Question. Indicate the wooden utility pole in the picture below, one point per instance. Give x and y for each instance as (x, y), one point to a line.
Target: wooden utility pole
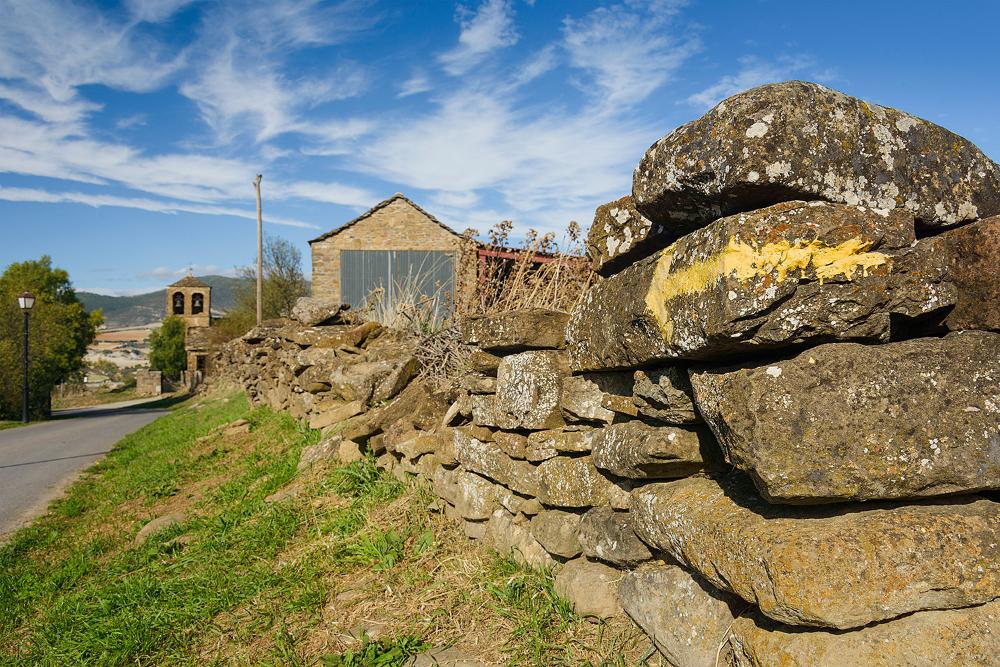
(260, 254)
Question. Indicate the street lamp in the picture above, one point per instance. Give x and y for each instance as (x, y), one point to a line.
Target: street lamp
(25, 301)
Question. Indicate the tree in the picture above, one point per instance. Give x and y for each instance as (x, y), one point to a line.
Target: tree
(284, 283)
(166, 347)
(61, 329)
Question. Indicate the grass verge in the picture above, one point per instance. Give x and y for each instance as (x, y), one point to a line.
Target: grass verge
(261, 565)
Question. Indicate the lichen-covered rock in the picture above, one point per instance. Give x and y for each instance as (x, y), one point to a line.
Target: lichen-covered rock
(973, 255)
(529, 329)
(608, 535)
(528, 388)
(637, 450)
(620, 234)
(838, 567)
(952, 638)
(845, 421)
(544, 445)
(686, 618)
(488, 460)
(514, 539)
(311, 311)
(334, 414)
(590, 588)
(566, 482)
(665, 394)
(597, 397)
(798, 140)
(779, 276)
(556, 531)
(473, 497)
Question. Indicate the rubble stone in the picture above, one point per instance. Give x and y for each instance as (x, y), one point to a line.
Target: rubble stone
(620, 235)
(637, 450)
(608, 535)
(515, 331)
(590, 588)
(556, 531)
(528, 389)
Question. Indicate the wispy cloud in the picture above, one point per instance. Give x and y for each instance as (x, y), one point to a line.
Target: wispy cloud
(416, 84)
(484, 30)
(168, 273)
(628, 50)
(153, 205)
(753, 72)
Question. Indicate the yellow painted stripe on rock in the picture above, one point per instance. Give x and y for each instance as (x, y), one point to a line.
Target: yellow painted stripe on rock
(746, 263)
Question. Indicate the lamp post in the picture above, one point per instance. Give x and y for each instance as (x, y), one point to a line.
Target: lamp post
(26, 301)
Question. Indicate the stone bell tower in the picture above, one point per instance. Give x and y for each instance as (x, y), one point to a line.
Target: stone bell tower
(190, 299)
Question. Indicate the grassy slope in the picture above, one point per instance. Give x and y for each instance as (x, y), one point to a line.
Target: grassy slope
(245, 581)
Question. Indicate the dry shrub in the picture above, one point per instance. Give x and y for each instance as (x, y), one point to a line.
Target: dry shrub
(541, 273)
(408, 307)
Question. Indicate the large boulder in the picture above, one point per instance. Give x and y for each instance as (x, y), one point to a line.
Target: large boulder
(838, 567)
(687, 619)
(798, 140)
(858, 422)
(637, 450)
(620, 234)
(951, 638)
(608, 535)
(779, 276)
(528, 329)
(529, 385)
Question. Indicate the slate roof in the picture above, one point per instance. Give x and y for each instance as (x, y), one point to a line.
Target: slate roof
(381, 205)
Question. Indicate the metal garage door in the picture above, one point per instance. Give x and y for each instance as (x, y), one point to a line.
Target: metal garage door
(430, 273)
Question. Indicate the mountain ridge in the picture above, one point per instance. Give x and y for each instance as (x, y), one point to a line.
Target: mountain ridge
(150, 307)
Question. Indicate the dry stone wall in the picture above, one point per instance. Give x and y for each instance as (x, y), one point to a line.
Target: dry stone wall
(774, 439)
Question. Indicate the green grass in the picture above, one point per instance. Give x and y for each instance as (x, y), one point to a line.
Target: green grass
(241, 580)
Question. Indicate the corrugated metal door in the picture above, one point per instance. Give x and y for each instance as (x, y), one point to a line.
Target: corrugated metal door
(429, 273)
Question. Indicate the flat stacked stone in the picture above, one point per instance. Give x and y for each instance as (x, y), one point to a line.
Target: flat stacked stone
(845, 421)
(788, 274)
(842, 567)
(619, 235)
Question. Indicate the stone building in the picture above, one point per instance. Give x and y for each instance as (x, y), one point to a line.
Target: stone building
(393, 244)
(190, 299)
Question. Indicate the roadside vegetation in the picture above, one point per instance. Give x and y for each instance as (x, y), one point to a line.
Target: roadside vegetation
(336, 565)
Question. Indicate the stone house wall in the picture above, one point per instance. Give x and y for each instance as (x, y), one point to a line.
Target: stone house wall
(397, 225)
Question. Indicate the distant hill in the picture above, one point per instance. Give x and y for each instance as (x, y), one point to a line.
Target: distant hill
(130, 311)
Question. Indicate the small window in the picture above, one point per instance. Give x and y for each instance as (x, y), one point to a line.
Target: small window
(178, 302)
(197, 303)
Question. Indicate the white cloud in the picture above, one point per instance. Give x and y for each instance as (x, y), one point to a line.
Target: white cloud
(167, 273)
(418, 83)
(328, 193)
(489, 28)
(754, 72)
(627, 49)
(154, 11)
(153, 205)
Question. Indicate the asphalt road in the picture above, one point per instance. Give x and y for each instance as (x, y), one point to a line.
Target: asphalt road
(39, 460)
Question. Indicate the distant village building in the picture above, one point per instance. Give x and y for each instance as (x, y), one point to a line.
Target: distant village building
(191, 300)
(395, 243)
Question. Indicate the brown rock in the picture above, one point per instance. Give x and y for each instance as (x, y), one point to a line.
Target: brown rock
(845, 421)
(349, 451)
(798, 140)
(337, 414)
(952, 638)
(780, 276)
(473, 497)
(637, 450)
(556, 530)
(513, 445)
(544, 445)
(486, 459)
(158, 524)
(513, 539)
(566, 482)
(398, 377)
(837, 567)
(327, 449)
(528, 389)
(517, 330)
(483, 362)
(686, 617)
(665, 394)
(608, 535)
(973, 254)
(619, 235)
(311, 312)
(590, 588)
(597, 397)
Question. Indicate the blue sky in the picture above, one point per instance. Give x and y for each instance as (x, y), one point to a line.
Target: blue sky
(130, 131)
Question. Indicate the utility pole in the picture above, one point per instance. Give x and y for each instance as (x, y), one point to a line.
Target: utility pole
(260, 254)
